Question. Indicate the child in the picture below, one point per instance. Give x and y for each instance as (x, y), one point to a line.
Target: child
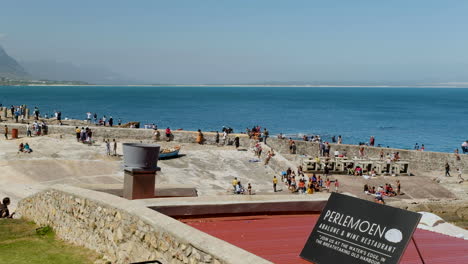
(327, 185)
(337, 184)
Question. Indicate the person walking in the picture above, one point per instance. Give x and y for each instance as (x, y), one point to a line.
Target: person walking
(6, 132)
(447, 170)
(337, 185)
(459, 174)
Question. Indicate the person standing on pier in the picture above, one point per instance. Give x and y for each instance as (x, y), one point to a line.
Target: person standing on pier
(217, 138)
(200, 137)
(372, 141)
(265, 135)
(108, 149)
(115, 148)
(225, 135)
(168, 134)
(36, 113)
(111, 121)
(464, 147)
(28, 130)
(275, 182)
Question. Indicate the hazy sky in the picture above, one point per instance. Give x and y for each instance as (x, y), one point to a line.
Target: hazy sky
(216, 41)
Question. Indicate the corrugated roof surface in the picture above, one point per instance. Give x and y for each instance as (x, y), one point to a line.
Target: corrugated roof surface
(280, 239)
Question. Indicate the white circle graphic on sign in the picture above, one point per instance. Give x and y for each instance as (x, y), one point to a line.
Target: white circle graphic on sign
(394, 235)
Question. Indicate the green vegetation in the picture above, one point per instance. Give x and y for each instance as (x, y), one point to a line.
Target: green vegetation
(22, 242)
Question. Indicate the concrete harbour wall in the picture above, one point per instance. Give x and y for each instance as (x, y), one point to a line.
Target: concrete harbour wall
(100, 133)
(419, 161)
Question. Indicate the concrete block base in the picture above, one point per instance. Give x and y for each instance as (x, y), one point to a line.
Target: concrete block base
(139, 185)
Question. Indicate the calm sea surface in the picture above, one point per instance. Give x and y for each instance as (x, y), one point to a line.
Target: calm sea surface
(397, 117)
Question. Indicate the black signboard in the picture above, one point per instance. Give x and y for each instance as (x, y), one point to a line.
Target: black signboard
(352, 230)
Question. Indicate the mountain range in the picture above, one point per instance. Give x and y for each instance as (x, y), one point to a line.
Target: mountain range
(57, 71)
(10, 68)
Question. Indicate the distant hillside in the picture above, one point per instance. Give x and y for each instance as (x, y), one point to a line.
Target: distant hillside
(53, 70)
(10, 68)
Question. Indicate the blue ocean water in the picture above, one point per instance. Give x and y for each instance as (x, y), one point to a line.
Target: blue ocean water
(397, 117)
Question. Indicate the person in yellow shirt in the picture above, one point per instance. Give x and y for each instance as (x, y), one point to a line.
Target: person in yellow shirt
(275, 182)
(234, 183)
(78, 132)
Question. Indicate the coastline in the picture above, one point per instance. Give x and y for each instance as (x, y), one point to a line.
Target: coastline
(244, 86)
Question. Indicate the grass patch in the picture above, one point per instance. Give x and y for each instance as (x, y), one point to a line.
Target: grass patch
(22, 242)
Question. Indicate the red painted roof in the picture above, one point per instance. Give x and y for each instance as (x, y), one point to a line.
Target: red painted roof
(280, 239)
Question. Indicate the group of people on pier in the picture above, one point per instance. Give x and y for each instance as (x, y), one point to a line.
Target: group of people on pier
(305, 184)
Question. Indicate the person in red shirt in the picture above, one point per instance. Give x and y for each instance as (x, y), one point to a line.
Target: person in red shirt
(168, 134)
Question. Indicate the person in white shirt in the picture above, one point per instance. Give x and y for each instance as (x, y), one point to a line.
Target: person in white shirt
(225, 134)
(464, 147)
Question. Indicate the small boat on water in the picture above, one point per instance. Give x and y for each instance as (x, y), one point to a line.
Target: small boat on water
(169, 152)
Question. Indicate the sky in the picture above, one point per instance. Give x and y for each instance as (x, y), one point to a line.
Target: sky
(246, 41)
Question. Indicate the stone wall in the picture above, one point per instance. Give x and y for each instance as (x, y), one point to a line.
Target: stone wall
(419, 161)
(124, 231)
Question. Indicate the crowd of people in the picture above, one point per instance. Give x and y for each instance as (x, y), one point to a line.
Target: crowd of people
(257, 133)
(102, 121)
(382, 191)
(84, 135)
(238, 188)
(305, 184)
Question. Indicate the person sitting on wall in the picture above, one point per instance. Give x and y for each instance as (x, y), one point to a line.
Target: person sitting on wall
(239, 188)
(389, 190)
(156, 135)
(358, 171)
(366, 189)
(4, 212)
(293, 185)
